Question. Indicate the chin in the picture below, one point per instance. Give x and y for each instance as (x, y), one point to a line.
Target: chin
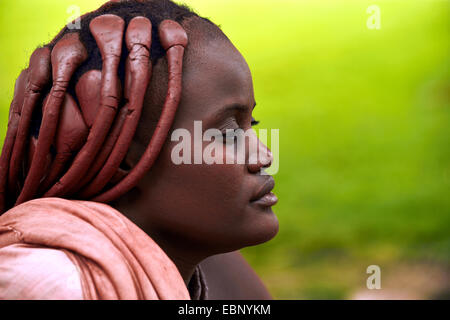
(259, 226)
(264, 227)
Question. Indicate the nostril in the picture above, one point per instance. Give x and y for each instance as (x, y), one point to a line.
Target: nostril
(266, 158)
(267, 163)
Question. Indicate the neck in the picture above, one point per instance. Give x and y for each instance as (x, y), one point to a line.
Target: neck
(182, 254)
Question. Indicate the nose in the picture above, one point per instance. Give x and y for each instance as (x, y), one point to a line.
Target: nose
(261, 158)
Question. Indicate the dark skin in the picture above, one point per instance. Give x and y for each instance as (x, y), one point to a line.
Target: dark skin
(198, 212)
(229, 276)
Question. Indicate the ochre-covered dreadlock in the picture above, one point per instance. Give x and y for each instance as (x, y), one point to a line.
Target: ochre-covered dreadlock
(89, 134)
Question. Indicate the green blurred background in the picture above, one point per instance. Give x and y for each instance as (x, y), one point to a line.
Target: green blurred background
(364, 134)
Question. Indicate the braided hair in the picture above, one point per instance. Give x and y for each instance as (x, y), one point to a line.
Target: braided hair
(91, 85)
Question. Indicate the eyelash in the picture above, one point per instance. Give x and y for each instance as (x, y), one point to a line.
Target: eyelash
(254, 122)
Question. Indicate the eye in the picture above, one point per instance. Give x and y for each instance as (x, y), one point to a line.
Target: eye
(254, 122)
(227, 129)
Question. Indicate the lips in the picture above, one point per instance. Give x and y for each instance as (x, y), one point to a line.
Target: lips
(265, 196)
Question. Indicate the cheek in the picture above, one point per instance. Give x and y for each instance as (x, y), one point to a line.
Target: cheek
(216, 193)
(206, 204)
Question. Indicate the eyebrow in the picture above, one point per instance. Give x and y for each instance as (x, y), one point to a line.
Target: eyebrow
(229, 109)
(234, 107)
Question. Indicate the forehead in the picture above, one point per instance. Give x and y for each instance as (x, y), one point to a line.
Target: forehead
(215, 75)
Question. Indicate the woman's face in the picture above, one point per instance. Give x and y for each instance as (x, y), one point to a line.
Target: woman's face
(212, 206)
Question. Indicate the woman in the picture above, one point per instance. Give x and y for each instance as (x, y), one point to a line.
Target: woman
(137, 71)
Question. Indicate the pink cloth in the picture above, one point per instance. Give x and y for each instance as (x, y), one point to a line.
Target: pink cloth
(53, 248)
(29, 272)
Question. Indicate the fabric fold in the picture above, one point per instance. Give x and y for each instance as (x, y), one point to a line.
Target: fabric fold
(114, 257)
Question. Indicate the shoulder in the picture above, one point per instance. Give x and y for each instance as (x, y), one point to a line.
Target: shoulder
(30, 272)
(229, 276)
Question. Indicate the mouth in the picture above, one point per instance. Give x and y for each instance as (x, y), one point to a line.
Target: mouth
(265, 197)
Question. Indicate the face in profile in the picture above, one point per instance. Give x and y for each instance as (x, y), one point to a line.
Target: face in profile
(215, 207)
(86, 120)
